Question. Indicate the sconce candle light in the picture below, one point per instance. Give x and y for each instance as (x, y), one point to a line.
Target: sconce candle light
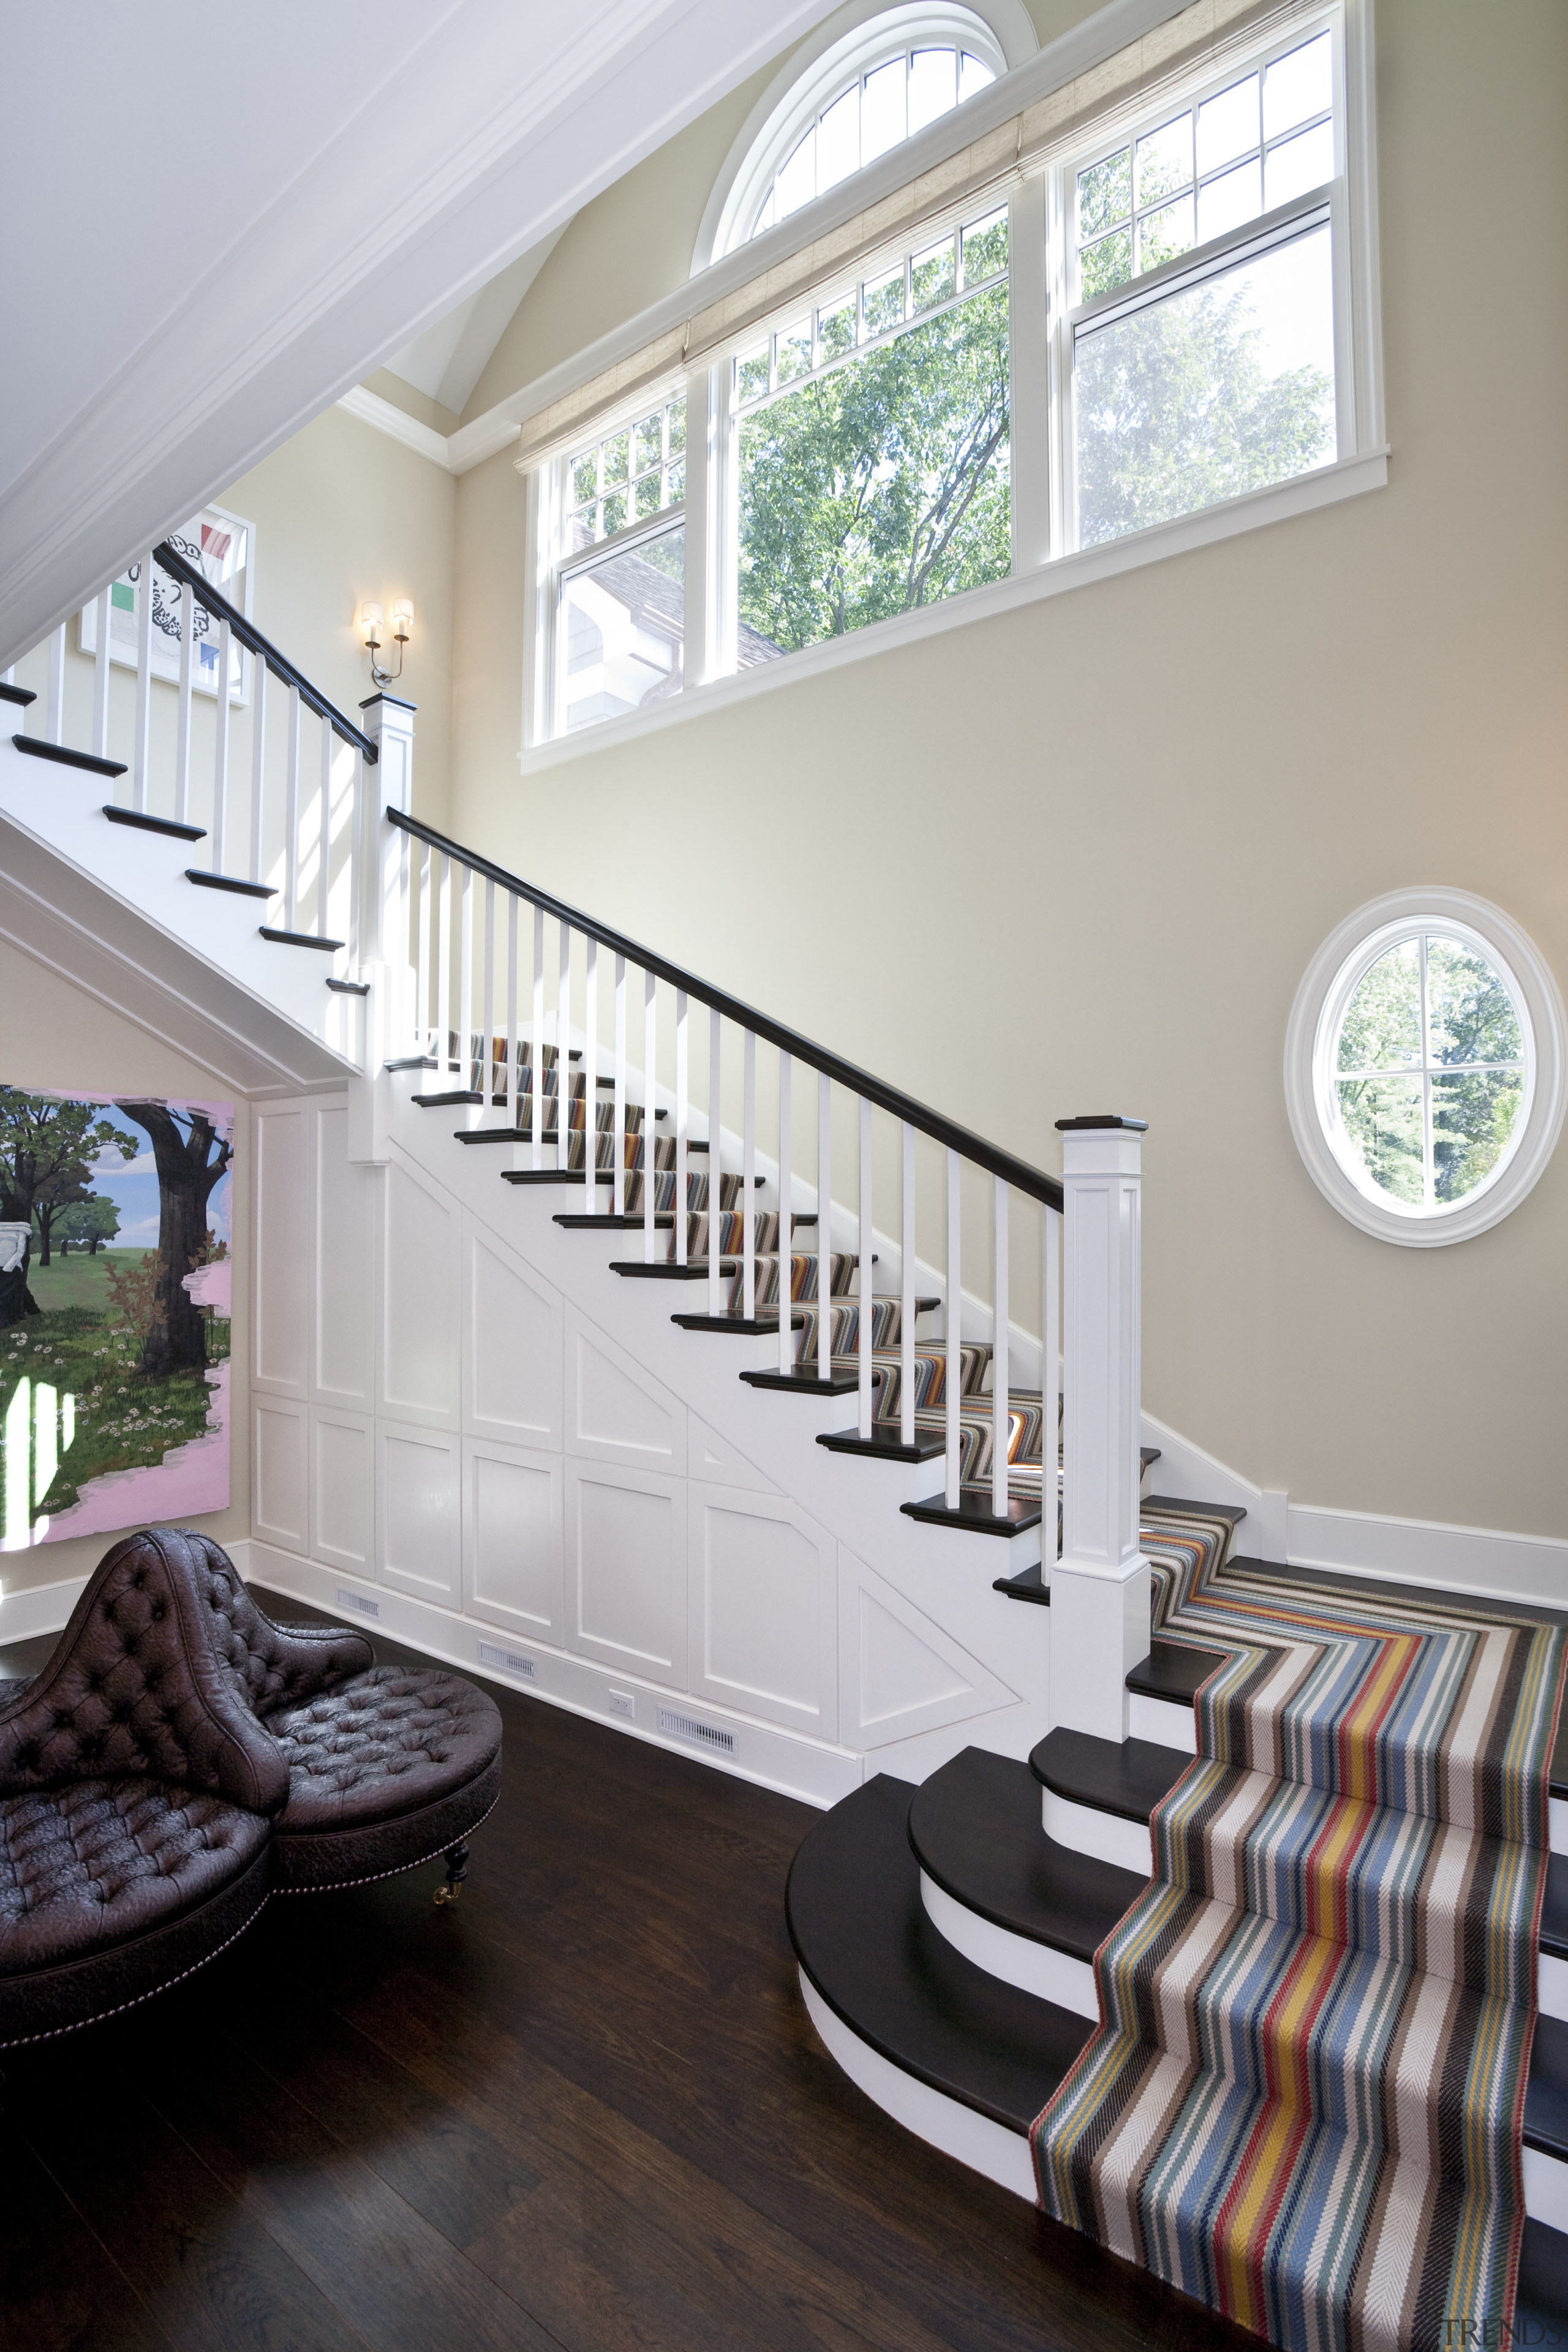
(372, 620)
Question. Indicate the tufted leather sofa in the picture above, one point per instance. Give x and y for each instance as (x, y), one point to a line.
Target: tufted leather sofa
(181, 1757)
(388, 1766)
(137, 1792)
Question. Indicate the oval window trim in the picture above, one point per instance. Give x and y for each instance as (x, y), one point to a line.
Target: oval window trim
(1332, 978)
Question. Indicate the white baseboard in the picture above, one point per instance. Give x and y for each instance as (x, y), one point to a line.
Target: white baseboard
(39, 1609)
(807, 1770)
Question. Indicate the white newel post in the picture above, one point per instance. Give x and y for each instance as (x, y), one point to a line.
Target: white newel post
(1100, 1587)
(382, 886)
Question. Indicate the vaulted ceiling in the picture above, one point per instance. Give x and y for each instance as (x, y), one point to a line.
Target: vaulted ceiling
(218, 219)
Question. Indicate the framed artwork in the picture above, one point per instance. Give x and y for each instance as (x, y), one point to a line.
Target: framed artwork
(223, 548)
(115, 1291)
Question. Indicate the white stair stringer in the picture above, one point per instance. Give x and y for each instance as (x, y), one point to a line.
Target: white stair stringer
(978, 1669)
(109, 908)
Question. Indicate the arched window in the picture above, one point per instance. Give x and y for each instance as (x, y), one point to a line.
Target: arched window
(865, 93)
(1425, 1066)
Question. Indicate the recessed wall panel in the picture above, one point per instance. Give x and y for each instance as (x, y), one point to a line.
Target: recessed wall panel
(419, 1512)
(514, 1558)
(281, 1472)
(626, 1554)
(763, 1605)
(421, 1300)
(513, 1346)
(344, 1263)
(342, 1490)
(617, 1410)
(280, 1352)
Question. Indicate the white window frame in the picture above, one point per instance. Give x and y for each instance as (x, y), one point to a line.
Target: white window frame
(1039, 197)
(997, 31)
(1210, 260)
(1313, 1034)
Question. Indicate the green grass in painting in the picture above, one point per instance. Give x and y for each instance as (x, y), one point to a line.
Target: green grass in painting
(78, 1280)
(122, 1420)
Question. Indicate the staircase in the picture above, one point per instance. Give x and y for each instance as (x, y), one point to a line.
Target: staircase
(960, 1474)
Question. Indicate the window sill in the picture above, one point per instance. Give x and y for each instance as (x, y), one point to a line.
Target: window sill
(1347, 478)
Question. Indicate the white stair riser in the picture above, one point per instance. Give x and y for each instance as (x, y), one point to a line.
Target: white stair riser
(1003, 2155)
(1018, 1960)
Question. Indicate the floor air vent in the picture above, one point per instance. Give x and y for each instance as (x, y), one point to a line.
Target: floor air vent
(359, 1602)
(686, 1727)
(510, 1662)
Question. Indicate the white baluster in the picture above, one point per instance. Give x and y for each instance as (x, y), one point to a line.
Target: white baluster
(591, 1076)
(786, 1347)
(325, 832)
(444, 1031)
(747, 1175)
(824, 1226)
(863, 1244)
(715, 1161)
(291, 817)
(651, 1089)
(465, 978)
(563, 1053)
(425, 980)
(536, 1086)
(999, 1295)
(618, 1115)
(220, 751)
(398, 926)
(1100, 1589)
(907, 1287)
(359, 879)
(1051, 1384)
(142, 747)
(257, 753)
(101, 678)
(54, 701)
(487, 1032)
(954, 1330)
(680, 1084)
(511, 1103)
(187, 680)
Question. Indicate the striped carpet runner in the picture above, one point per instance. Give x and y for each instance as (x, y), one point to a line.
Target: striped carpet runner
(1303, 2103)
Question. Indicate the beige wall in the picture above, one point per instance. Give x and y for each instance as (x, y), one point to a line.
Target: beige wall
(342, 512)
(59, 1039)
(1099, 839)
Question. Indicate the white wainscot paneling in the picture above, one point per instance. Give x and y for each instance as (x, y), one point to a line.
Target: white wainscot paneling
(344, 1264)
(418, 1511)
(280, 1472)
(615, 1411)
(514, 1560)
(899, 1672)
(421, 1300)
(280, 1354)
(712, 1457)
(513, 1346)
(625, 1549)
(342, 1490)
(761, 1587)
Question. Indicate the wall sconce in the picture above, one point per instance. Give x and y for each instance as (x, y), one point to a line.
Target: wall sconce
(372, 619)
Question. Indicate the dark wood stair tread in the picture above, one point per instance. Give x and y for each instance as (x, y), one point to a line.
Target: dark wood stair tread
(884, 1444)
(1233, 1512)
(803, 1383)
(860, 1933)
(241, 889)
(447, 1098)
(1172, 1673)
(542, 1176)
(20, 694)
(300, 940)
(1128, 1779)
(348, 987)
(1030, 1584)
(974, 1514)
(145, 824)
(976, 1829)
(62, 753)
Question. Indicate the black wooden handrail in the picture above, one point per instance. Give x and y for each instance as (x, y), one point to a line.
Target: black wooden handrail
(989, 1156)
(262, 647)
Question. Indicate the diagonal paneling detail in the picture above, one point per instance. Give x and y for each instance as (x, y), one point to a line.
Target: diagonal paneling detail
(899, 1672)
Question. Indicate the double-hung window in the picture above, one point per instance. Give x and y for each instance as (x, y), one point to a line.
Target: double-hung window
(1198, 358)
(1153, 314)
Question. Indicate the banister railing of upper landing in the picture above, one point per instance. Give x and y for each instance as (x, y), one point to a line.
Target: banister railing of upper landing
(498, 1035)
(291, 818)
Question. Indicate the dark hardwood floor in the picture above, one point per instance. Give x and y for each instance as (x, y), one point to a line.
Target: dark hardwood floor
(584, 2109)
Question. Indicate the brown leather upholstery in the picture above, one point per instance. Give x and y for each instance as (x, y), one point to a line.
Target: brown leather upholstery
(136, 1690)
(136, 1792)
(388, 1766)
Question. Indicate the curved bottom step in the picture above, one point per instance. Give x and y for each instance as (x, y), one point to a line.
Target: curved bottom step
(964, 2061)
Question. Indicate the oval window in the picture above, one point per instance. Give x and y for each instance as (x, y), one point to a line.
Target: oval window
(1424, 1067)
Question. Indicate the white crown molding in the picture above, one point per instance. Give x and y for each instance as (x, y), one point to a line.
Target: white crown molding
(423, 439)
(499, 127)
